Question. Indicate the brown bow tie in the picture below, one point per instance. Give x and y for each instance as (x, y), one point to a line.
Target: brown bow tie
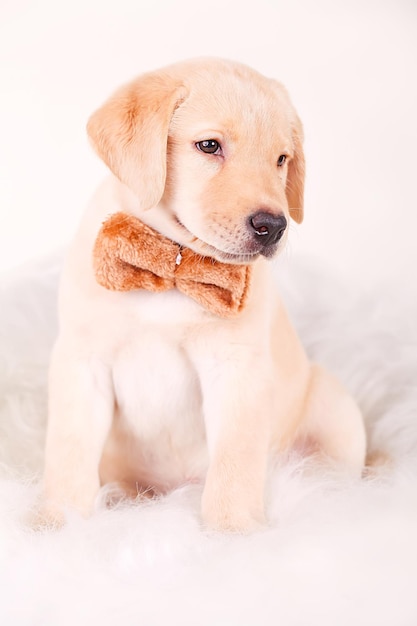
(130, 255)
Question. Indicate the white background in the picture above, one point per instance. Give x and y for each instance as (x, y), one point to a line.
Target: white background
(350, 67)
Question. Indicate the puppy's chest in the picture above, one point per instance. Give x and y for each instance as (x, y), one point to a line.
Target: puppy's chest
(156, 386)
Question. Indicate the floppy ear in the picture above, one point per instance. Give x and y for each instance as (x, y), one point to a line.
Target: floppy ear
(129, 132)
(296, 175)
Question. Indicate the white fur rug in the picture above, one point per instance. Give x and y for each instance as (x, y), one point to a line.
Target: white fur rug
(336, 552)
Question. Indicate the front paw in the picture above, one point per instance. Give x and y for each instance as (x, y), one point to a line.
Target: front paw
(223, 515)
(45, 517)
(49, 512)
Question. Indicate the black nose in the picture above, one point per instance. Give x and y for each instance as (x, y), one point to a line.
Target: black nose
(267, 228)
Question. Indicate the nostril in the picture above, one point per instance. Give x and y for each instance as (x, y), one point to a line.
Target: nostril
(261, 230)
(268, 229)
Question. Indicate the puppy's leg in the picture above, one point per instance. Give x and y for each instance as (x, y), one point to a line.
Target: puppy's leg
(80, 412)
(236, 409)
(333, 421)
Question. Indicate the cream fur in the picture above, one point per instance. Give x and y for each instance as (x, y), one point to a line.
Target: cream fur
(150, 390)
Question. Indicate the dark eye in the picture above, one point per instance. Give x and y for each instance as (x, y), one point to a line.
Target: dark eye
(209, 146)
(281, 160)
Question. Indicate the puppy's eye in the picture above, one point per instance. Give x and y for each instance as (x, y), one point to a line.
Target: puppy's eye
(281, 160)
(209, 146)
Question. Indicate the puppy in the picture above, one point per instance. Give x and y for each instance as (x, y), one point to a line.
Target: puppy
(150, 387)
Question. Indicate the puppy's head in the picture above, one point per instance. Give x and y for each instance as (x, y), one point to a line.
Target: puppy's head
(213, 152)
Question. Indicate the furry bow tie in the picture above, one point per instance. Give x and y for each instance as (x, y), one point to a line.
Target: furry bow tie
(130, 255)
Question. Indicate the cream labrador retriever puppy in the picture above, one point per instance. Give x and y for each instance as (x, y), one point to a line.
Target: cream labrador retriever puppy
(152, 389)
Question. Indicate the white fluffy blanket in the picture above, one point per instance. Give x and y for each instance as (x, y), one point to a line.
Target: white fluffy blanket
(335, 553)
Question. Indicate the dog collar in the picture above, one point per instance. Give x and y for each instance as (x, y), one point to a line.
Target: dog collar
(130, 255)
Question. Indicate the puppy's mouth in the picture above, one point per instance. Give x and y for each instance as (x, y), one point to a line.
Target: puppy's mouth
(228, 257)
(205, 249)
